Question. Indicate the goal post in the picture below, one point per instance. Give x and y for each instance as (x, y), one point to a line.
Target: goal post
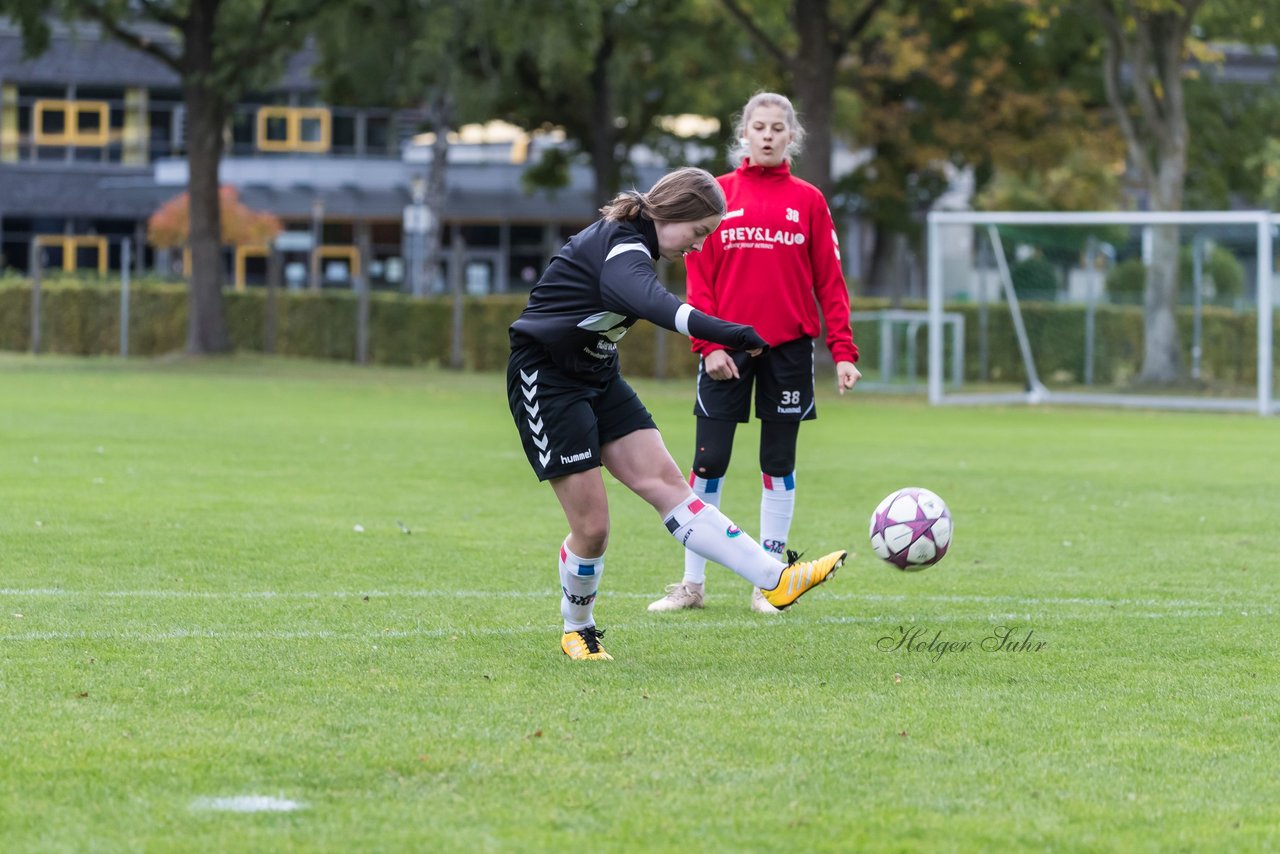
(946, 265)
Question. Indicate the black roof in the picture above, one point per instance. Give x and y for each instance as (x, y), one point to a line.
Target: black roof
(79, 54)
(80, 190)
(112, 191)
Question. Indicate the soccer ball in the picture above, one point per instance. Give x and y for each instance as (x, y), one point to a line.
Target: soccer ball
(911, 529)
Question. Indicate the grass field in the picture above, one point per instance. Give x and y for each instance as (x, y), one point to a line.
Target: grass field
(189, 616)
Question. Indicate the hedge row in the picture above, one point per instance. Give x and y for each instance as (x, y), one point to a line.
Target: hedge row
(1229, 343)
(84, 320)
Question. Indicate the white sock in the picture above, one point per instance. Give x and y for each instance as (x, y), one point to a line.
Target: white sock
(777, 507)
(695, 565)
(704, 529)
(579, 581)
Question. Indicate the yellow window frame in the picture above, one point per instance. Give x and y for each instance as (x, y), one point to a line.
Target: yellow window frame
(321, 115)
(294, 117)
(243, 253)
(69, 243)
(8, 123)
(350, 254)
(71, 111)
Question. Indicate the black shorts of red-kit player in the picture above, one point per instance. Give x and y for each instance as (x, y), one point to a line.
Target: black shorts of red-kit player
(781, 377)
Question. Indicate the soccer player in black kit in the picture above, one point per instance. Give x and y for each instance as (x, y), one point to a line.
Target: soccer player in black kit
(575, 412)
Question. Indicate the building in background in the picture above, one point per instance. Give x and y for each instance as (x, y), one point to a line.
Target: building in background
(92, 142)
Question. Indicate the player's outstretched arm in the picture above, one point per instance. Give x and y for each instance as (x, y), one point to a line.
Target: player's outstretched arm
(736, 336)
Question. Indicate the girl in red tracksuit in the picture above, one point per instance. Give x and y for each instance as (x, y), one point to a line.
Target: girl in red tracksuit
(773, 262)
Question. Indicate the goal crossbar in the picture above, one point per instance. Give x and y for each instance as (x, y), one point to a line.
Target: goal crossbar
(1263, 222)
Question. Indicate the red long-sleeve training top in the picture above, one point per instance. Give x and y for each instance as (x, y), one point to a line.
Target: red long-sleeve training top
(775, 252)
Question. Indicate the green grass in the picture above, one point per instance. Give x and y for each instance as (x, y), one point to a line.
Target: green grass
(187, 612)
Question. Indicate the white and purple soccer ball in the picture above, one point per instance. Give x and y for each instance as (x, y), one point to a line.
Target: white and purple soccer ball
(911, 529)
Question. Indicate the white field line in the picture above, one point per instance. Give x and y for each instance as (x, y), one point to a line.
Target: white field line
(658, 625)
(247, 803)
(444, 595)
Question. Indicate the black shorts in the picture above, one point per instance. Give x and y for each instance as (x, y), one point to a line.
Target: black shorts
(783, 379)
(563, 422)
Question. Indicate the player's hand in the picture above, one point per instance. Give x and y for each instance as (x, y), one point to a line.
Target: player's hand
(847, 374)
(719, 365)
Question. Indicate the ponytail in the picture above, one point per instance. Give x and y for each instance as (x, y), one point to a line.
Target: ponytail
(626, 205)
(685, 195)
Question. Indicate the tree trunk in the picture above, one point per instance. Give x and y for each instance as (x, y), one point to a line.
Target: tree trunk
(1152, 42)
(1161, 357)
(604, 138)
(885, 275)
(206, 115)
(814, 79)
(1162, 350)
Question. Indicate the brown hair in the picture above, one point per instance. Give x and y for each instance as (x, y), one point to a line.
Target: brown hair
(685, 195)
(739, 149)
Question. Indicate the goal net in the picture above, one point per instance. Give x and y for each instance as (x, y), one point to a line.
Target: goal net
(1060, 308)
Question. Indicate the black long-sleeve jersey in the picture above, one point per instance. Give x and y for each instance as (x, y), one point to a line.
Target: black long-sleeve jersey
(596, 288)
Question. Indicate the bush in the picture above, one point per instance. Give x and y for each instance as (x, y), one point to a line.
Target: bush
(1222, 271)
(1127, 281)
(84, 319)
(1034, 279)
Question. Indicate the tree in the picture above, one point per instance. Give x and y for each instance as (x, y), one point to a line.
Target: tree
(1148, 40)
(982, 91)
(424, 55)
(927, 93)
(1267, 162)
(1149, 49)
(219, 49)
(396, 54)
(170, 226)
(1233, 122)
(809, 46)
(607, 72)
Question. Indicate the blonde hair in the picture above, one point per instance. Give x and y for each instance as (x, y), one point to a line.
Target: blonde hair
(685, 195)
(739, 148)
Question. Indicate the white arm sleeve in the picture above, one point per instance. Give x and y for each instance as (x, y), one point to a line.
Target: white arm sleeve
(682, 318)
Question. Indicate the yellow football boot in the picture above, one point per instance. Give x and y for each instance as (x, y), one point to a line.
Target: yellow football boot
(799, 578)
(584, 645)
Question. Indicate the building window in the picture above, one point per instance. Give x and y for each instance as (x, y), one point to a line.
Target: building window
(313, 129)
(81, 123)
(378, 135)
(339, 265)
(344, 134)
(75, 251)
(294, 129)
(251, 264)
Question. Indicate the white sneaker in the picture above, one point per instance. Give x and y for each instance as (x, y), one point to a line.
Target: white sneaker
(761, 605)
(680, 596)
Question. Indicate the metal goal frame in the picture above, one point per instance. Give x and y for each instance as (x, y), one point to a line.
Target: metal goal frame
(1263, 221)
